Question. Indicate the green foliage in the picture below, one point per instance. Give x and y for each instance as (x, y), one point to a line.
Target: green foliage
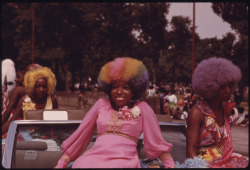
(236, 14)
(178, 55)
(76, 39)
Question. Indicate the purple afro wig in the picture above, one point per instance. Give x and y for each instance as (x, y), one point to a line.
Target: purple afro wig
(125, 69)
(210, 74)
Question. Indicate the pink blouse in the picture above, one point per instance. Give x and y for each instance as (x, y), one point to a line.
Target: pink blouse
(115, 146)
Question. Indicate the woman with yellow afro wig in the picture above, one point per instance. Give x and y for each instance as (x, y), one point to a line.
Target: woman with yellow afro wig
(39, 86)
(32, 76)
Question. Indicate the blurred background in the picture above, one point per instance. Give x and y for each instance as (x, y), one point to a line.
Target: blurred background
(76, 39)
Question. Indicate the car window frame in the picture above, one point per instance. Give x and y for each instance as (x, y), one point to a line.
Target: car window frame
(11, 140)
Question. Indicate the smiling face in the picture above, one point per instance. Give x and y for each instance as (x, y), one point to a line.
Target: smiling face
(121, 94)
(41, 88)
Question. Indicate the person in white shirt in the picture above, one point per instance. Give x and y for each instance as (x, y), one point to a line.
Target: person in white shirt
(151, 91)
(172, 101)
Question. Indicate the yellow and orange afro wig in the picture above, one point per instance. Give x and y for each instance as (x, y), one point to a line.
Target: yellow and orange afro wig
(32, 76)
(125, 69)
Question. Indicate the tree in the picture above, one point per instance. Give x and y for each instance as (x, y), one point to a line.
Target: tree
(236, 14)
(151, 25)
(8, 49)
(79, 38)
(109, 36)
(177, 57)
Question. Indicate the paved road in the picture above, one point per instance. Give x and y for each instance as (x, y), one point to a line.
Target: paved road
(240, 137)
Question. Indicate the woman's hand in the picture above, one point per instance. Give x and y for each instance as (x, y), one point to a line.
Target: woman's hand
(167, 160)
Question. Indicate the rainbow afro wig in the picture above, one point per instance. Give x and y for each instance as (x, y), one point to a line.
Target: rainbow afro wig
(125, 69)
(210, 74)
(33, 75)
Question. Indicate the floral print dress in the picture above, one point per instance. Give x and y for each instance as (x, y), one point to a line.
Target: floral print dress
(215, 143)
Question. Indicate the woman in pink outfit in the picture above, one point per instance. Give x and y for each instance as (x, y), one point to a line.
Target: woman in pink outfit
(119, 119)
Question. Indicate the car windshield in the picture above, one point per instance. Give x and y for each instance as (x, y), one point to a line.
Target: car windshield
(38, 145)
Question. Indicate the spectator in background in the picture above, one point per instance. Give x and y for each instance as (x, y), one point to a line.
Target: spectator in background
(19, 78)
(151, 91)
(8, 75)
(8, 82)
(194, 98)
(171, 97)
(18, 92)
(184, 114)
(241, 116)
(161, 92)
(245, 122)
(187, 96)
(39, 87)
(246, 94)
(234, 116)
(81, 99)
(237, 98)
(177, 114)
(166, 110)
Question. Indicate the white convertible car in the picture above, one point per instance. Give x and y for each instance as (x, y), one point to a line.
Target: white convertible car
(36, 143)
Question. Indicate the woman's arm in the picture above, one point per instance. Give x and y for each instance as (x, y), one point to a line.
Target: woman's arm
(74, 145)
(194, 120)
(16, 114)
(17, 94)
(154, 144)
(54, 102)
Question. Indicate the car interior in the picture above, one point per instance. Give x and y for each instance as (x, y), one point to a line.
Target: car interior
(38, 145)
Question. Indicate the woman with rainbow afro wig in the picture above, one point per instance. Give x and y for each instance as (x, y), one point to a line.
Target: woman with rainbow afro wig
(128, 70)
(208, 124)
(39, 84)
(119, 119)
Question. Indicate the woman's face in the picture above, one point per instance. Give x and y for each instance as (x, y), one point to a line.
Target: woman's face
(225, 91)
(19, 78)
(41, 88)
(121, 94)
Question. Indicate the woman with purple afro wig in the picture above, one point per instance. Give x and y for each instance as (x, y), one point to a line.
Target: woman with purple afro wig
(120, 120)
(208, 124)
(212, 73)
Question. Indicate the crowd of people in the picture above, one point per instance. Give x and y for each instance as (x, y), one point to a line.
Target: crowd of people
(179, 107)
(122, 116)
(175, 102)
